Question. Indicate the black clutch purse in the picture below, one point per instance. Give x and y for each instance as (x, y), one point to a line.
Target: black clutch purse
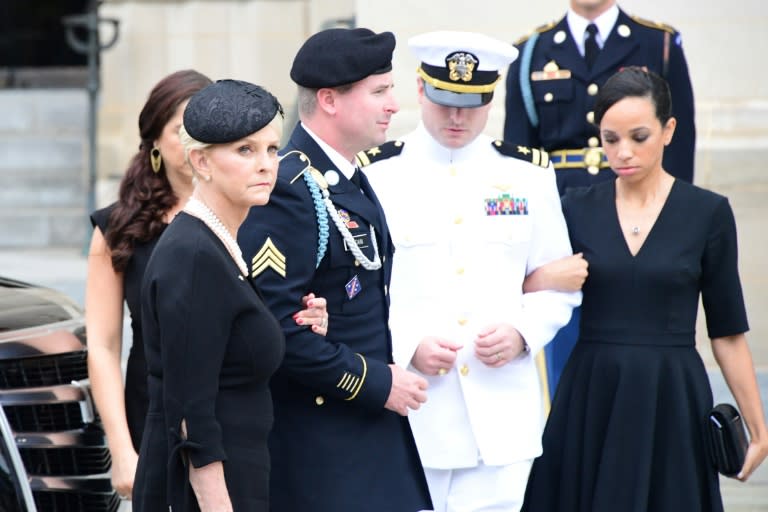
(727, 439)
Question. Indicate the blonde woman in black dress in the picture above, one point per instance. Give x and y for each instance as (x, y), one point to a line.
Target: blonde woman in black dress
(211, 343)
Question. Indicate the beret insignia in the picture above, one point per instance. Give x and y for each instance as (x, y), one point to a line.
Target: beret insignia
(535, 156)
(386, 150)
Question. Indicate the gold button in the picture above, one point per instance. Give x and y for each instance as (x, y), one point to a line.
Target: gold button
(591, 117)
(357, 263)
(319, 400)
(460, 270)
(549, 97)
(593, 142)
(458, 220)
(462, 321)
(593, 170)
(464, 370)
(592, 89)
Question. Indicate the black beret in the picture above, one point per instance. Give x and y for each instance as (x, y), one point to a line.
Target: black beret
(228, 110)
(340, 56)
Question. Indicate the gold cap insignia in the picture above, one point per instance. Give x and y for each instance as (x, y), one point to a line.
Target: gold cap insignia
(460, 66)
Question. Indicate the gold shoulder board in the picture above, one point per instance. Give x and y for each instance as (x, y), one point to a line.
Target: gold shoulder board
(654, 24)
(386, 150)
(533, 155)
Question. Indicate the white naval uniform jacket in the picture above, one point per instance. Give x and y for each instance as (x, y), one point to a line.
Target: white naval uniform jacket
(456, 269)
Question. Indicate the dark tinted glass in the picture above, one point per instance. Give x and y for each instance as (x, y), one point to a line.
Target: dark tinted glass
(32, 34)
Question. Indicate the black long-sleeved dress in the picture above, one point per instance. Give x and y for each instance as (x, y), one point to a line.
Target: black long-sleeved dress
(211, 347)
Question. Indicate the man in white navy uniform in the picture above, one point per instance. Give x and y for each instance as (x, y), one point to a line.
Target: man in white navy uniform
(470, 218)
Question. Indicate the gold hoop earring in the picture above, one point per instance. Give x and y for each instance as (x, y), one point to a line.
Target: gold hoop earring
(155, 159)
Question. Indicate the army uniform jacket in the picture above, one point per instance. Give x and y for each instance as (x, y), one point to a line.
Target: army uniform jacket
(469, 225)
(563, 90)
(333, 445)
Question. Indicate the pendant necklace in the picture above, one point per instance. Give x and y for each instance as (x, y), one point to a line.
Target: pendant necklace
(635, 230)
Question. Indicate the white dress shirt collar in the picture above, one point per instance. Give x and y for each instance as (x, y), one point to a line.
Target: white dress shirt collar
(347, 168)
(578, 26)
(437, 153)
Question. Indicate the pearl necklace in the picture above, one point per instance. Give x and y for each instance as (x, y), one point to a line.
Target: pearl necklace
(636, 230)
(199, 209)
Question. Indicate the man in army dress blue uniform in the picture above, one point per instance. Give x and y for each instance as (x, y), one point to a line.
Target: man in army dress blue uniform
(551, 90)
(341, 440)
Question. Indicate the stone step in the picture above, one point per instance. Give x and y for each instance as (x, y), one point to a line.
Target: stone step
(43, 227)
(42, 153)
(44, 111)
(35, 192)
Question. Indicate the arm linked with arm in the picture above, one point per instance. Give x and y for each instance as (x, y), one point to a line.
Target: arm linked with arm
(320, 363)
(544, 312)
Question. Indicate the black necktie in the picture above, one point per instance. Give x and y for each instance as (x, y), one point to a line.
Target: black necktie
(591, 49)
(356, 177)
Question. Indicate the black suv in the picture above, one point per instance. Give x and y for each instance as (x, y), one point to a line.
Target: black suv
(54, 455)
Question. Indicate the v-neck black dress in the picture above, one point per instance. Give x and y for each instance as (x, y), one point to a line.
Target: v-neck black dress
(626, 427)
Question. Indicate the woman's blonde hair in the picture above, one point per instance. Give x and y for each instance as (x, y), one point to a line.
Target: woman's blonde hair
(189, 144)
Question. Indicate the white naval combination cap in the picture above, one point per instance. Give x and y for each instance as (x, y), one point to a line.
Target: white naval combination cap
(460, 69)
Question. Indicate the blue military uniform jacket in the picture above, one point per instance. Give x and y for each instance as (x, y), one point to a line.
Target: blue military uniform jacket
(333, 445)
(561, 92)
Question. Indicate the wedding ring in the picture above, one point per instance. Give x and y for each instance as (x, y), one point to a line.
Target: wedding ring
(324, 322)
(442, 371)
(498, 356)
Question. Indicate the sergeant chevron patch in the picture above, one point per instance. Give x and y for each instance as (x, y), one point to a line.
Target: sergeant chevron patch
(269, 256)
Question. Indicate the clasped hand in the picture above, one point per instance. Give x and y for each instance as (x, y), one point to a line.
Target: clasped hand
(495, 346)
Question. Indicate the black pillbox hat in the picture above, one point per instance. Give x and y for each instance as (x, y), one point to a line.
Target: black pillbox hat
(228, 110)
(341, 56)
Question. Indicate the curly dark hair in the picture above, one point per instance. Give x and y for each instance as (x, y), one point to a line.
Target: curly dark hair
(145, 196)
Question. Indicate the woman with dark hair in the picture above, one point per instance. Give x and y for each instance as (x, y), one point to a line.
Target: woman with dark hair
(626, 429)
(156, 185)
